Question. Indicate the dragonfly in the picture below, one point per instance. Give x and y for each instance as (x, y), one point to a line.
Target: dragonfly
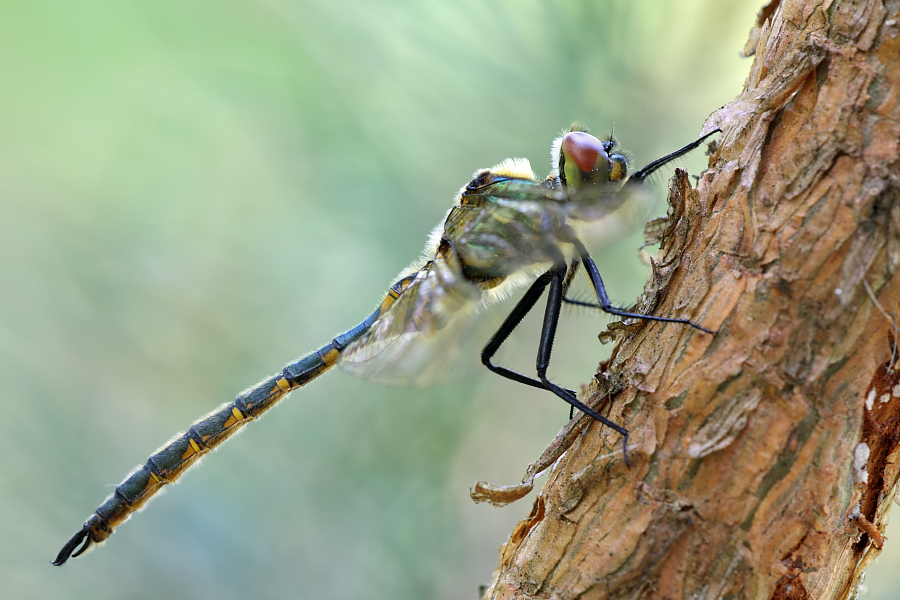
(506, 229)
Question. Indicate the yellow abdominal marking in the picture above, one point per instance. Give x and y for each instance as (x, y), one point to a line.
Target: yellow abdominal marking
(389, 300)
(331, 356)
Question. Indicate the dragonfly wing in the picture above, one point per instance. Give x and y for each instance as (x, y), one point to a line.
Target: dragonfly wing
(605, 219)
(415, 340)
(508, 226)
(502, 233)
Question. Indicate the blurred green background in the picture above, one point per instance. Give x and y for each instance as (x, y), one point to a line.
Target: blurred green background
(194, 193)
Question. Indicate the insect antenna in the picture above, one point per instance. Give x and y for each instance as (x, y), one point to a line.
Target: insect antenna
(641, 174)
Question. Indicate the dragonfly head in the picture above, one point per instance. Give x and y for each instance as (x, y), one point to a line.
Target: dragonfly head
(583, 161)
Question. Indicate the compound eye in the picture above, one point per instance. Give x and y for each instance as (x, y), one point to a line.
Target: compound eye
(583, 160)
(583, 149)
(618, 167)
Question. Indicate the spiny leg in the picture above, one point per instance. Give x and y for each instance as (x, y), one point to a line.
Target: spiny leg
(604, 303)
(613, 310)
(545, 348)
(577, 302)
(557, 279)
(567, 282)
(603, 299)
(515, 316)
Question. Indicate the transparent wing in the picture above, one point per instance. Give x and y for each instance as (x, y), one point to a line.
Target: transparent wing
(608, 218)
(416, 340)
(434, 329)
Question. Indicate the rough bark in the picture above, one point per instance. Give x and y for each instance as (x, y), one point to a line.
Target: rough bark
(764, 458)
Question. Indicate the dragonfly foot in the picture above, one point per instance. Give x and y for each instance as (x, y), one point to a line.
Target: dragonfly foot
(703, 329)
(625, 450)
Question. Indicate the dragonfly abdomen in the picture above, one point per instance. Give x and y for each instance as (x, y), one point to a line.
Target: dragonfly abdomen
(168, 463)
(183, 451)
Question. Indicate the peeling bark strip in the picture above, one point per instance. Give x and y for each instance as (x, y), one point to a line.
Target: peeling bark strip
(765, 457)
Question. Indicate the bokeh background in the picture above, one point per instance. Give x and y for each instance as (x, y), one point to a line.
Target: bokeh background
(194, 193)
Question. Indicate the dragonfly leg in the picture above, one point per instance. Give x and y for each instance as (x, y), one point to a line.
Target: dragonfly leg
(581, 303)
(607, 306)
(556, 279)
(512, 321)
(548, 333)
(570, 276)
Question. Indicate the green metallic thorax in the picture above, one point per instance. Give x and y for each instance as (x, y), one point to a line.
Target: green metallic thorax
(499, 228)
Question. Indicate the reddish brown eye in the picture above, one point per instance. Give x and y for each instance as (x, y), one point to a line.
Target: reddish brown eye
(583, 148)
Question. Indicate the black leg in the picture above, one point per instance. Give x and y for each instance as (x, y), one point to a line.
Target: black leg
(581, 303)
(570, 276)
(548, 333)
(558, 280)
(512, 321)
(607, 306)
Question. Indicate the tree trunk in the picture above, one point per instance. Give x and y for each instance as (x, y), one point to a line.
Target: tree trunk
(764, 458)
